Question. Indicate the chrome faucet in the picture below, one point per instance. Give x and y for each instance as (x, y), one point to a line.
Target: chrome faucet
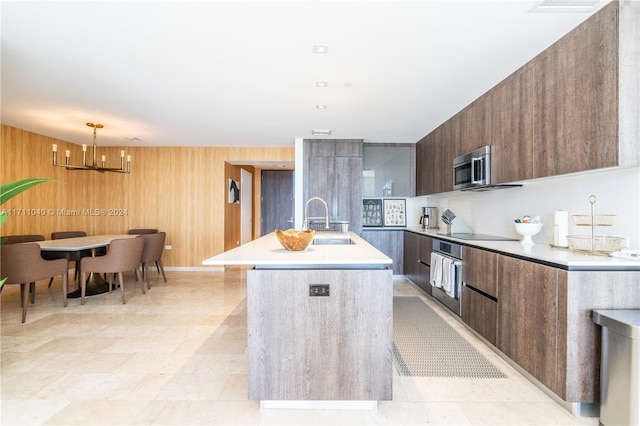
(305, 223)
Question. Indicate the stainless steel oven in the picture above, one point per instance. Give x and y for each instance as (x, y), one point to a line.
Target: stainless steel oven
(446, 274)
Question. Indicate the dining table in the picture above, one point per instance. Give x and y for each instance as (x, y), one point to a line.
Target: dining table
(95, 283)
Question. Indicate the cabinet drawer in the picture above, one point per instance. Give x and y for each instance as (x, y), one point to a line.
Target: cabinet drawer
(480, 270)
(480, 313)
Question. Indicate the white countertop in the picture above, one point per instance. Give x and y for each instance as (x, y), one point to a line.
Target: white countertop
(543, 253)
(268, 252)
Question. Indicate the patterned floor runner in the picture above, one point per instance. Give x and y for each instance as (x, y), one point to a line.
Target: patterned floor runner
(424, 345)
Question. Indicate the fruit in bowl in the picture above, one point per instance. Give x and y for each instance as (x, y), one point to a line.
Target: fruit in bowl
(294, 240)
(527, 230)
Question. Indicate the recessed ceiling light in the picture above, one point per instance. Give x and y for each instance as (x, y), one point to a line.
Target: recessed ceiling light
(321, 132)
(321, 84)
(320, 106)
(320, 48)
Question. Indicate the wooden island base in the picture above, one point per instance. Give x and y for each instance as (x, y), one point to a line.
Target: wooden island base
(323, 348)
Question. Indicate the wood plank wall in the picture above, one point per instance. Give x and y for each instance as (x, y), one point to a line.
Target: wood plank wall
(180, 190)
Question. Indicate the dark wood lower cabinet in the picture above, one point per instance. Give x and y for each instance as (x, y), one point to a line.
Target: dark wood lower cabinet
(480, 313)
(528, 318)
(541, 316)
(417, 259)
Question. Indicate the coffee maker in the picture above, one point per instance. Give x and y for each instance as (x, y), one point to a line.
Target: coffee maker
(429, 218)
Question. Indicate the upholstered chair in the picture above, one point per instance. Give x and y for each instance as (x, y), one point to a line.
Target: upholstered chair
(71, 256)
(124, 255)
(152, 252)
(142, 231)
(15, 239)
(22, 264)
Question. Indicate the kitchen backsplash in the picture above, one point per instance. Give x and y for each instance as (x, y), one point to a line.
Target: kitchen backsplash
(617, 192)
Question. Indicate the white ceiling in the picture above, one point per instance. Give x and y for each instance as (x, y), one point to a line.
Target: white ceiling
(243, 73)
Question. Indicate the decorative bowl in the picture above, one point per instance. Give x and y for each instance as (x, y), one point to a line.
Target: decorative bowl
(527, 230)
(294, 240)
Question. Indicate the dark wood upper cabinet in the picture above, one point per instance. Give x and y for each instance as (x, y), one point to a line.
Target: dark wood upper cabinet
(460, 132)
(512, 128)
(572, 108)
(576, 98)
(425, 162)
(444, 154)
(479, 119)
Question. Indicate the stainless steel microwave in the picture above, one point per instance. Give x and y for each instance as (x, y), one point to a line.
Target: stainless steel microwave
(472, 170)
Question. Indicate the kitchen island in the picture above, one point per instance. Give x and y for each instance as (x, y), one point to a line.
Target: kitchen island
(319, 323)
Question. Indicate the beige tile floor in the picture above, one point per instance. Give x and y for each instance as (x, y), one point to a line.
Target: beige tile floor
(177, 356)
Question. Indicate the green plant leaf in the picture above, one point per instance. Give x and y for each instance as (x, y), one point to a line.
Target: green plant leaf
(11, 189)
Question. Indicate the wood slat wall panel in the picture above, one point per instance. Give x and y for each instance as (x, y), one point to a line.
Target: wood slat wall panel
(180, 190)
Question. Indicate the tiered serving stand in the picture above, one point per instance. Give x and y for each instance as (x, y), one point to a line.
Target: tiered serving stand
(594, 244)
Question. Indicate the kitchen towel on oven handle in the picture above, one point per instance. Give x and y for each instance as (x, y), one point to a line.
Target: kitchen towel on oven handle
(449, 281)
(443, 274)
(435, 274)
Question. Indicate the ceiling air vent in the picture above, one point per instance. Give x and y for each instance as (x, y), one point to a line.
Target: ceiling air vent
(566, 5)
(321, 132)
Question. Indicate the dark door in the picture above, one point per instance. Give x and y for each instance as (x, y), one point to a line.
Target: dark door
(277, 201)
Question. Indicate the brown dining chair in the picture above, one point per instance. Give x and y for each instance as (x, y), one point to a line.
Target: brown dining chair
(124, 255)
(152, 252)
(71, 256)
(142, 231)
(22, 264)
(15, 239)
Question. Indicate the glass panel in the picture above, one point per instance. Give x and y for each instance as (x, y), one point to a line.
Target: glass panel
(373, 170)
(397, 175)
(386, 171)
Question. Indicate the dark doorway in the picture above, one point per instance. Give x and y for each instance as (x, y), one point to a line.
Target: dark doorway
(277, 208)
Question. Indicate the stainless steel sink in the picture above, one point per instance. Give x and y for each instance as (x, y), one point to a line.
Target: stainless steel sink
(321, 241)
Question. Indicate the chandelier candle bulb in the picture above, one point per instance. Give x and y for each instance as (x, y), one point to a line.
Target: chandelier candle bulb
(122, 154)
(84, 148)
(55, 148)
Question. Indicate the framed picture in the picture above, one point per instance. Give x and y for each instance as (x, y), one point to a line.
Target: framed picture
(234, 192)
(394, 212)
(372, 212)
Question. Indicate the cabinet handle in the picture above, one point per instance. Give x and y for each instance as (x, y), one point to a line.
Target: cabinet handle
(487, 295)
